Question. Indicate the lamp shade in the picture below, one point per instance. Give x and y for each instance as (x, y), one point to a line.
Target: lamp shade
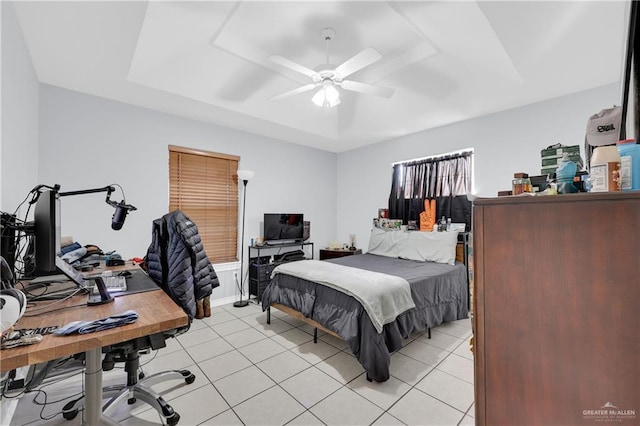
(245, 174)
(327, 96)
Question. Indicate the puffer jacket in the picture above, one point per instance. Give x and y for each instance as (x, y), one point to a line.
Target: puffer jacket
(176, 260)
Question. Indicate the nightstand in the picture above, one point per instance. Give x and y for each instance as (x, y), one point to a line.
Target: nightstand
(332, 254)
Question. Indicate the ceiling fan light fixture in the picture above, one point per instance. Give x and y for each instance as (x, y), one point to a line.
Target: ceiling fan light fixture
(328, 76)
(327, 96)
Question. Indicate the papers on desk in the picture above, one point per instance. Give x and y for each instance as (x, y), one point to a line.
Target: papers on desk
(84, 327)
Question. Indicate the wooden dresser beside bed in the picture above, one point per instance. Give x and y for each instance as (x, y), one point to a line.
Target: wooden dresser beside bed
(557, 321)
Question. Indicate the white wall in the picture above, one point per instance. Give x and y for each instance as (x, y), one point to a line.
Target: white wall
(90, 142)
(503, 143)
(19, 115)
(83, 142)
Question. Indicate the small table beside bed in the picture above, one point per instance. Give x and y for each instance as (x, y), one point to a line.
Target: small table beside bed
(407, 282)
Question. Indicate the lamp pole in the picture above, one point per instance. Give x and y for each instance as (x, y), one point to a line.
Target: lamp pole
(245, 175)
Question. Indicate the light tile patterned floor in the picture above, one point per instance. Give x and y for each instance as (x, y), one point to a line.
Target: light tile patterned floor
(252, 373)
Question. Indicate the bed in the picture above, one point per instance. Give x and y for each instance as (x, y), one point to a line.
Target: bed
(438, 291)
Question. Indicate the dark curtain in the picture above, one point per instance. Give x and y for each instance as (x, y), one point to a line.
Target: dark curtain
(447, 179)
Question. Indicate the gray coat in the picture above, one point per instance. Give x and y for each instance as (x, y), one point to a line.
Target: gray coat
(176, 260)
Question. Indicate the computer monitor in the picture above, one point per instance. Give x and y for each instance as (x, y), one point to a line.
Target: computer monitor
(46, 232)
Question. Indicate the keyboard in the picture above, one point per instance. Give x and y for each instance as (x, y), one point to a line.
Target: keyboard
(113, 284)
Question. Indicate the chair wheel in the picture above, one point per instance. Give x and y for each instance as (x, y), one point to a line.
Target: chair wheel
(190, 379)
(173, 420)
(67, 412)
(70, 415)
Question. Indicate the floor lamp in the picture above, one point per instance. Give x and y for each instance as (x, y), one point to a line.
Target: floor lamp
(243, 175)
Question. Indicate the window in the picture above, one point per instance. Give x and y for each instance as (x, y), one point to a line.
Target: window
(446, 178)
(204, 185)
(445, 175)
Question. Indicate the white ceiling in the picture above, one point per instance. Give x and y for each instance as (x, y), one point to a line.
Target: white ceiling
(207, 60)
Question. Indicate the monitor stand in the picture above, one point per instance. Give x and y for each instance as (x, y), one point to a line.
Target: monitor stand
(103, 295)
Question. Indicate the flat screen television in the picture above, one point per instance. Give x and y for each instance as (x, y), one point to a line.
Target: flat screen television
(46, 218)
(283, 227)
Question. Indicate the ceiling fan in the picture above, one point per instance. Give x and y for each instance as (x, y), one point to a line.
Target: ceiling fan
(328, 77)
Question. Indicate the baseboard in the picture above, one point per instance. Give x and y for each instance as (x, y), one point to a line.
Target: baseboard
(231, 299)
(223, 301)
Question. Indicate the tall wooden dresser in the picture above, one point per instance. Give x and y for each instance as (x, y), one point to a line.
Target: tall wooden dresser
(557, 309)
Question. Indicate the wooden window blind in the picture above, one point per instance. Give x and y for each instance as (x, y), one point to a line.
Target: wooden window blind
(204, 185)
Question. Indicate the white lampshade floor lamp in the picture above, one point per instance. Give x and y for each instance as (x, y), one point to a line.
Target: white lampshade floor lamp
(243, 175)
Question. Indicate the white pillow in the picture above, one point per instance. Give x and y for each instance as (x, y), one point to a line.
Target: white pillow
(386, 243)
(437, 247)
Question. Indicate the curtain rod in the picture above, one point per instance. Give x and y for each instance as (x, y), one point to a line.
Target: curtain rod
(461, 152)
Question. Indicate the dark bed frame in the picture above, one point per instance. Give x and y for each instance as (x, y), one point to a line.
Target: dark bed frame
(462, 256)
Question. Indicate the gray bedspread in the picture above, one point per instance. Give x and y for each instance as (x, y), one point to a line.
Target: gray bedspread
(439, 291)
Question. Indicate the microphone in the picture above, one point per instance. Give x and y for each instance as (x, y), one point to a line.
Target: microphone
(120, 214)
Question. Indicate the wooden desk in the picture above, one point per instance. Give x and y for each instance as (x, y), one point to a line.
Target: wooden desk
(157, 313)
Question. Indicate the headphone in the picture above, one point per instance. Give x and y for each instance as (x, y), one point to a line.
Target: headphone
(13, 302)
(6, 276)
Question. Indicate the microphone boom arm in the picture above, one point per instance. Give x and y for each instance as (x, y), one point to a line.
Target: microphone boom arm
(108, 189)
(121, 207)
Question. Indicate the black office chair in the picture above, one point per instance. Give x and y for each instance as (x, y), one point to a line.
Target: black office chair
(175, 240)
(138, 385)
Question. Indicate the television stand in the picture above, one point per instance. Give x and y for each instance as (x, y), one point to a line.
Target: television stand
(261, 262)
(272, 246)
(283, 243)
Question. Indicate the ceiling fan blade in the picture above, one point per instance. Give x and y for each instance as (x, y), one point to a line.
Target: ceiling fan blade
(292, 65)
(301, 89)
(369, 89)
(356, 63)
